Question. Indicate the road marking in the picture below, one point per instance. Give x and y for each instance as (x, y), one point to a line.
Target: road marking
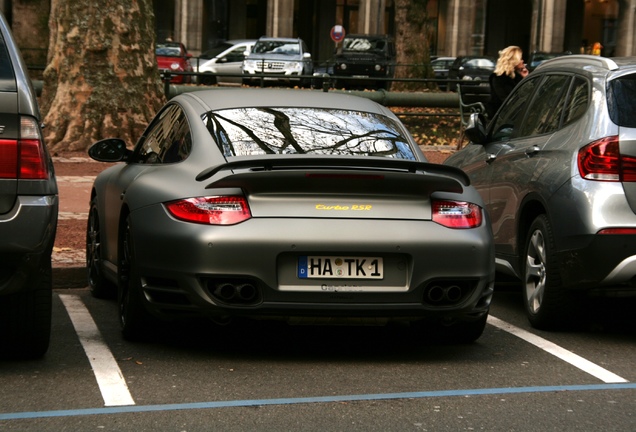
(109, 377)
(557, 351)
(311, 400)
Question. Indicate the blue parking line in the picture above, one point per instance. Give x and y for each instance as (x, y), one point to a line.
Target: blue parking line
(309, 400)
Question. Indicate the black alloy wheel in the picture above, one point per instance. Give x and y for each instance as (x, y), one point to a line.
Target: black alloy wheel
(98, 285)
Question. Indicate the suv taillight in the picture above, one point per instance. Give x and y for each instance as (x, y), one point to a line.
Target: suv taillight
(24, 158)
(602, 161)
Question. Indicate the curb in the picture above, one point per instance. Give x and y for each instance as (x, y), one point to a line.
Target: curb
(69, 277)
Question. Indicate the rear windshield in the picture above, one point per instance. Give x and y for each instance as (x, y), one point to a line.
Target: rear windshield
(276, 47)
(259, 131)
(621, 100)
(364, 44)
(7, 76)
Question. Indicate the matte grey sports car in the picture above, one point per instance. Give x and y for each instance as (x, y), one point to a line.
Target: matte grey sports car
(283, 204)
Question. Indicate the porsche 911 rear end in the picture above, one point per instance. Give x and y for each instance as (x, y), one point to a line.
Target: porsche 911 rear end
(313, 214)
(303, 239)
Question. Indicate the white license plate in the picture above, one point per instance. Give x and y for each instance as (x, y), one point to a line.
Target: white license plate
(333, 267)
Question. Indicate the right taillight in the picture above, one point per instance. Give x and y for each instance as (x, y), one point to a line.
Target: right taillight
(601, 160)
(24, 158)
(456, 214)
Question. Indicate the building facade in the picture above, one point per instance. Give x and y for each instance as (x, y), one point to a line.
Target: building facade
(457, 27)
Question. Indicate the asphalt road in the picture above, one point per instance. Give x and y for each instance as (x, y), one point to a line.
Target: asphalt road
(270, 376)
(198, 376)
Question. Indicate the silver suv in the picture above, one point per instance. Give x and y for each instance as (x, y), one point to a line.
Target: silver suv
(556, 167)
(28, 212)
(279, 59)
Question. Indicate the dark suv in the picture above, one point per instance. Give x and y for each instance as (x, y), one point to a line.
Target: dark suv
(28, 211)
(556, 167)
(365, 57)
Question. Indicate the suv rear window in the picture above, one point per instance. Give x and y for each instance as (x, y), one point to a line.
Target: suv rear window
(7, 77)
(621, 100)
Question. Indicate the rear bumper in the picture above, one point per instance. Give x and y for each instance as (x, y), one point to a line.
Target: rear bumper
(27, 234)
(430, 271)
(607, 262)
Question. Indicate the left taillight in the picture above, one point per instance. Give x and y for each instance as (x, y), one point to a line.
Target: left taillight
(24, 158)
(457, 214)
(212, 210)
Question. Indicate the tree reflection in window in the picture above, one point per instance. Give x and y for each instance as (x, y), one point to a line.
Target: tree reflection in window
(257, 131)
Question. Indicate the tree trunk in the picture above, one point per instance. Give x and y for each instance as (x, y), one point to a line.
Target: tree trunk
(412, 43)
(101, 79)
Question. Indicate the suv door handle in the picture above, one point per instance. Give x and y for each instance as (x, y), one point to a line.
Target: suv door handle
(532, 150)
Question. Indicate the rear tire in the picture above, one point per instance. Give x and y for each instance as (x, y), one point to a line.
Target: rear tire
(134, 319)
(548, 306)
(208, 79)
(99, 286)
(25, 317)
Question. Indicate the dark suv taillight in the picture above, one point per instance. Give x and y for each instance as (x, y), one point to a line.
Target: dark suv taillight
(602, 160)
(24, 158)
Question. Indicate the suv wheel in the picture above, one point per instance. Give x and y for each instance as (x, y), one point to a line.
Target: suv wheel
(25, 317)
(544, 298)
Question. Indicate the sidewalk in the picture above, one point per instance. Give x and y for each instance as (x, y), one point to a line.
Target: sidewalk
(75, 177)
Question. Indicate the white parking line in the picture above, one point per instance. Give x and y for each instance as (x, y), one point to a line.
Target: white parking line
(552, 348)
(109, 377)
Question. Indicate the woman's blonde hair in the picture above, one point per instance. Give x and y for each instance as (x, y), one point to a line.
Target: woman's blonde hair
(508, 60)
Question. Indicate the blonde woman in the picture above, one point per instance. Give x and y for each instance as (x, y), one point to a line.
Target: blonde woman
(509, 71)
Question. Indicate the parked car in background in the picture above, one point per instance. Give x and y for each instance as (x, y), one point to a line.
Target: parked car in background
(280, 60)
(441, 66)
(556, 167)
(474, 71)
(365, 60)
(229, 60)
(173, 57)
(278, 204)
(28, 211)
(538, 57)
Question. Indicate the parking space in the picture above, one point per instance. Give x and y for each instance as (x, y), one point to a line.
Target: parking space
(195, 367)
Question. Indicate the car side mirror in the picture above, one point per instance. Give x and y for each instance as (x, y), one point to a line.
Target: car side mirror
(109, 150)
(475, 129)
(306, 55)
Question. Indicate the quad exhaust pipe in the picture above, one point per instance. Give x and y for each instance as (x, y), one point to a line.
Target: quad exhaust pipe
(236, 292)
(443, 295)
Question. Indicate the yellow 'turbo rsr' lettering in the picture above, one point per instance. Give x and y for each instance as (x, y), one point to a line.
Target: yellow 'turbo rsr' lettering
(356, 207)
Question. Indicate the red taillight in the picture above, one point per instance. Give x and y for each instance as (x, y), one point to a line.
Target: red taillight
(8, 159)
(32, 160)
(457, 214)
(24, 158)
(618, 231)
(602, 161)
(214, 210)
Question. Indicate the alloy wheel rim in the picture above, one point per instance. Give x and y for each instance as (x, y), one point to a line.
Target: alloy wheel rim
(93, 248)
(535, 271)
(124, 279)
